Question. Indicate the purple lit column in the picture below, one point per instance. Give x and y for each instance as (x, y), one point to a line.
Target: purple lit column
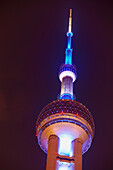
(67, 86)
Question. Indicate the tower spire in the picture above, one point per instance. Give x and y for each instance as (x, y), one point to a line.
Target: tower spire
(70, 21)
(68, 52)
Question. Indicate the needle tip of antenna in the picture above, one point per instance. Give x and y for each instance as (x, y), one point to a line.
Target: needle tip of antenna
(70, 12)
(70, 21)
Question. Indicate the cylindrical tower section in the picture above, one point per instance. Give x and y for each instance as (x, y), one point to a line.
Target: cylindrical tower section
(66, 87)
(67, 76)
(53, 144)
(77, 153)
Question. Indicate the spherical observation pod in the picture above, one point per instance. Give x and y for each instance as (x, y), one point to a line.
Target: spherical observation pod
(67, 70)
(65, 116)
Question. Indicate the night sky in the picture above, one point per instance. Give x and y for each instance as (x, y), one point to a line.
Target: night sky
(32, 48)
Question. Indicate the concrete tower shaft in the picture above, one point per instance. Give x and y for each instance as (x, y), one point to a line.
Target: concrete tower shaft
(67, 86)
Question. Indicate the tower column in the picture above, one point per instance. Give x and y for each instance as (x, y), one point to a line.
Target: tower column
(77, 153)
(67, 88)
(52, 150)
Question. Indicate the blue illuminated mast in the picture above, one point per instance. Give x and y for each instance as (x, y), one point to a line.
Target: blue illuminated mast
(68, 57)
(67, 74)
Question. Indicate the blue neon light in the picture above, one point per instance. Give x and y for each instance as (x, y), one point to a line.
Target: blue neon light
(69, 42)
(69, 33)
(68, 57)
(68, 52)
(66, 96)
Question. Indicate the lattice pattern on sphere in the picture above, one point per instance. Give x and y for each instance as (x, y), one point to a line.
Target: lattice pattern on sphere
(66, 106)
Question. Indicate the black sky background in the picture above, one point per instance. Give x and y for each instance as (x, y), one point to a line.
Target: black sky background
(32, 47)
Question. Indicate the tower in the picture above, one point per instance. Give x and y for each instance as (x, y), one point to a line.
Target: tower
(65, 127)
